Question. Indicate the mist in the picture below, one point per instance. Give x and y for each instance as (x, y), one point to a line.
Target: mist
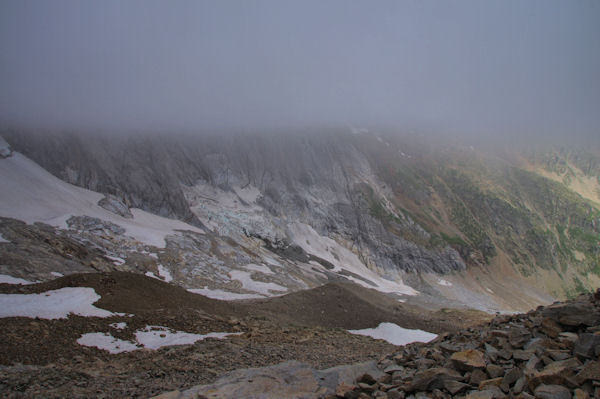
(486, 69)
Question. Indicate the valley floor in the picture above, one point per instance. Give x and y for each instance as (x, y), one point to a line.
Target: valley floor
(41, 357)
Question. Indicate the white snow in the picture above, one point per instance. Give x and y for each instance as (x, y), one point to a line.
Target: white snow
(325, 248)
(444, 282)
(2, 239)
(164, 273)
(395, 335)
(32, 194)
(255, 286)
(150, 274)
(154, 337)
(116, 260)
(151, 337)
(118, 326)
(56, 304)
(4, 278)
(107, 342)
(57, 274)
(259, 268)
(223, 295)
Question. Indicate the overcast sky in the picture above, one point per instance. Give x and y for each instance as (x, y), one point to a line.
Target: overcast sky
(483, 67)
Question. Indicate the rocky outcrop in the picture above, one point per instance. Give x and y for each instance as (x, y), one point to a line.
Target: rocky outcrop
(541, 353)
(286, 380)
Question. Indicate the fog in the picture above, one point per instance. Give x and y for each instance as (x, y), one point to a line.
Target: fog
(491, 69)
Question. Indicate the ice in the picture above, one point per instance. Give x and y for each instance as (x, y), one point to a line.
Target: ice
(107, 342)
(164, 273)
(4, 278)
(396, 335)
(31, 194)
(223, 295)
(325, 248)
(55, 304)
(154, 337)
(259, 268)
(255, 286)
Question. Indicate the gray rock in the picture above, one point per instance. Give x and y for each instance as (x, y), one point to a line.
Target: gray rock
(286, 380)
(552, 392)
(115, 205)
(587, 345)
(573, 313)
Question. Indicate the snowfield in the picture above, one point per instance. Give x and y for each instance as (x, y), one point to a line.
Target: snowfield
(56, 304)
(343, 259)
(151, 337)
(32, 194)
(395, 335)
(223, 295)
(6, 279)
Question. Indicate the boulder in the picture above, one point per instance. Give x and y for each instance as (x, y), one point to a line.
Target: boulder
(433, 378)
(573, 314)
(468, 360)
(552, 392)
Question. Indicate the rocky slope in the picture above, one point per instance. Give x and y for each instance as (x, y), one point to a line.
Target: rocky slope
(551, 352)
(46, 357)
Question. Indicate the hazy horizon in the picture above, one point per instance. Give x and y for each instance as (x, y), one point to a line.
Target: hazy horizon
(481, 69)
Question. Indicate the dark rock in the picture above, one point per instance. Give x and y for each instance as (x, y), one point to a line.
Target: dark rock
(511, 376)
(432, 379)
(520, 385)
(366, 379)
(587, 345)
(590, 371)
(455, 387)
(522, 355)
(115, 205)
(468, 360)
(477, 376)
(494, 371)
(552, 392)
(493, 382)
(573, 313)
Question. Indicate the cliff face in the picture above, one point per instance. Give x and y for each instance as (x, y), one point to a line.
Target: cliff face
(398, 204)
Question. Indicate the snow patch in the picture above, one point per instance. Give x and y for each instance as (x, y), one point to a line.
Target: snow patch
(151, 337)
(2, 239)
(324, 247)
(116, 260)
(395, 335)
(223, 295)
(255, 286)
(106, 342)
(150, 274)
(444, 283)
(118, 326)
(154, 337)
(164, 273)
(57, 274)
(32, 194)
(6, 279)
(55, 304)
